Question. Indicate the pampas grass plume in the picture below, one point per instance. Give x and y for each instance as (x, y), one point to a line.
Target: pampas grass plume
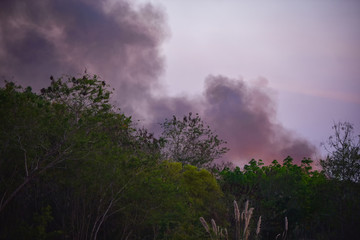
(213, 224)
(205, 225)
(258, 226)
(236, 210)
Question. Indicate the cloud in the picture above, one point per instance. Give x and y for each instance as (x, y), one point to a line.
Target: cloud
(120, 41)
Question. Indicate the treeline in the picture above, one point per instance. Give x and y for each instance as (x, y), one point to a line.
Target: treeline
(72, 166)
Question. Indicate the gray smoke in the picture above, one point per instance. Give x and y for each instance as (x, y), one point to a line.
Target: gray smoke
(117, 41)
(120, 41)
(245, 116)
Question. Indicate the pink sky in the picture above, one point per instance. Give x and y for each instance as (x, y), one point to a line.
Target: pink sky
(309, 51)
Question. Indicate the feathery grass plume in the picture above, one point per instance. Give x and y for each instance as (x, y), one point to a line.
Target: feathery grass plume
(245, 212)
(236, 211)
(248, 216)
(286, 229)
(284, 234)
(226, 234)
(221, 234)
(205, 225)
(214, 228)
(247, 233)
(242, 216)
(216, 232)
(237, 220)
(258, 226)
(245, 217)
(246, 208)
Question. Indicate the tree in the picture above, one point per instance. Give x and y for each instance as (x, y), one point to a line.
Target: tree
(27, 140)
(67, 148)
(166, 202)
(343, 160)
(71, 165)
(38, 131)
(189, 141)
(277, 191)
(84, 93)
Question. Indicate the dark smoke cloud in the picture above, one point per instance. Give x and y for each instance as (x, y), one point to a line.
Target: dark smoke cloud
(120, 41)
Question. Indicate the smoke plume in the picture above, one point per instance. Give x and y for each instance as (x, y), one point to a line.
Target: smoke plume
(245, 116)
(116, 40)
(120, 41)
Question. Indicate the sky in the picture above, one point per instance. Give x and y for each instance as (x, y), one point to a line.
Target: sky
(269, 77)
(309, 52)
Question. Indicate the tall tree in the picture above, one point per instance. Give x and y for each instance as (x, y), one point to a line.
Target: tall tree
(343, 159)
(190, 141)
(52, 143)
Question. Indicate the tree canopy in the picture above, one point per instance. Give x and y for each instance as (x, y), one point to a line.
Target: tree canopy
(343, 159)
(72, 166)
(190, 141)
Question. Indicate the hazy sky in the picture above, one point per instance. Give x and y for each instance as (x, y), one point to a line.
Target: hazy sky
(270, 77)
(309, 51)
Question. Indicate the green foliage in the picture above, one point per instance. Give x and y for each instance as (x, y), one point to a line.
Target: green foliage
(30, 145)
(167, 201)
(73, 167)
(38, 228)
(189, 141)
(312, 203)
(79, 94)
(343, 161)
(60, 142)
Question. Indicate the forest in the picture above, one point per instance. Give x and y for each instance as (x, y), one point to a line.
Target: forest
(73, 166)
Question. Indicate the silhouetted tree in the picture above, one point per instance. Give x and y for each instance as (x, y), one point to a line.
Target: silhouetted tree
(190, 141)
(343, 160)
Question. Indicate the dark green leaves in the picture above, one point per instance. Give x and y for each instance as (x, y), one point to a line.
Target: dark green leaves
(85, 93)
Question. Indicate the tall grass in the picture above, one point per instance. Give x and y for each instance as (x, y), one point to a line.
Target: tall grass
(242, 225)
(242, 222)
(284, 234)
(216, 232)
